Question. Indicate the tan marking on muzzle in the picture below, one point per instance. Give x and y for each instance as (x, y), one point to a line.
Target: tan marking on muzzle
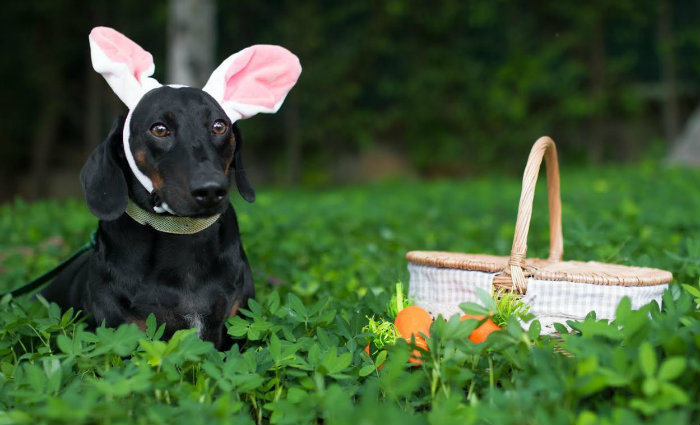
(157, 180)
(155, 176)
(140, 157)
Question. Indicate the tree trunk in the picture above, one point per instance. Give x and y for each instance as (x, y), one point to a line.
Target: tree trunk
(92, 124)
(44, 135)
(191, 41)
(94, 89)
(44, 140)
(668, 71)
(597, 134)
(686, 150)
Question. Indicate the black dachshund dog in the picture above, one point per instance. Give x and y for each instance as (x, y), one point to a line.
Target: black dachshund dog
(168, 240)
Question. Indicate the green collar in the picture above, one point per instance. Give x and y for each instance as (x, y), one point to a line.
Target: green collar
(169, 223)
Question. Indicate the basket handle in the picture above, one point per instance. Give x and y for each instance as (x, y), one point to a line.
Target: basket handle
(543, 147)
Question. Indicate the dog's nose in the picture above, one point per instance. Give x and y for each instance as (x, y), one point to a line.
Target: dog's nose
(209, 194)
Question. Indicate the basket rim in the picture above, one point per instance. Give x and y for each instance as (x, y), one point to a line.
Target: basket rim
(591, 272)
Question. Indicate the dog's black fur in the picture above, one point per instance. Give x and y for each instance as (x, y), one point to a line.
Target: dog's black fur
(196, 280)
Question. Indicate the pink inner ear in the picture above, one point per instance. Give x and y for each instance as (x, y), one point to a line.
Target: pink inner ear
(261, 75)
(119, 48)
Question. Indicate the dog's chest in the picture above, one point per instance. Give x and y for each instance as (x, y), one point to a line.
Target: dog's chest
(188, 281)
(195, 321)
(203, 308)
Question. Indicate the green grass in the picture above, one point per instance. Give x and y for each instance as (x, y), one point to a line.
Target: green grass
(324, 260)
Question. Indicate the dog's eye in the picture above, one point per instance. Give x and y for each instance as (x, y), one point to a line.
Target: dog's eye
(159, 130)
(219, 127)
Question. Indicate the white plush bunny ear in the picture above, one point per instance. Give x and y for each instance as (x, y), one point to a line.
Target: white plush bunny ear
(123, 63)
(254, 80)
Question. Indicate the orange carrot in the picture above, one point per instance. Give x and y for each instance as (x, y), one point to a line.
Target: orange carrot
(412, 321)
(482, 332)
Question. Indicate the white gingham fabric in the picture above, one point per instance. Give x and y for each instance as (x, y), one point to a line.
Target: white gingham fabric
(558, 301)
(441, 290)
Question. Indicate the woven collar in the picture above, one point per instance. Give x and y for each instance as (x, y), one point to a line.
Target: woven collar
(169, 223)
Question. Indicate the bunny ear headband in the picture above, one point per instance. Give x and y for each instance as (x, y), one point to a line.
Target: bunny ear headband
(254, 80)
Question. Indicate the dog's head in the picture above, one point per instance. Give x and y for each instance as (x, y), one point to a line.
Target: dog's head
(181, 144)
(188, 150)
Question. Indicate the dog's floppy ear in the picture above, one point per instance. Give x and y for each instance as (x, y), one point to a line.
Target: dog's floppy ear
(103, 181)
(254, 80)
(244, 187)
(123, 63)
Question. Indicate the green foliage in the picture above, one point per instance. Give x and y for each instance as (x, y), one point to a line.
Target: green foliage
(695, 292)
(500, 305)
(384, 333)
(324, 262)
(464, 85)
(457, 86)
(399, 300)
(509, 304)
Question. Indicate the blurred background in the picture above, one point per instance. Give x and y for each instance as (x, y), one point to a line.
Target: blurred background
(389, 90)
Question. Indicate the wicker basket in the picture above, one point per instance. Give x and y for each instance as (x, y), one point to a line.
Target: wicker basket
(555, 290)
